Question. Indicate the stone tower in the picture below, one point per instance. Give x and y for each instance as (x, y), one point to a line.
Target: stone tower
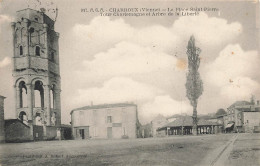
(36, 70)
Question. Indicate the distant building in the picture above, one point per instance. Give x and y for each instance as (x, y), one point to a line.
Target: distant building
(2, 120)
(156, 123)
(105, 121)
(250, 120)
(242, 116)
(183, 126)
(219, 119)
(145, 131)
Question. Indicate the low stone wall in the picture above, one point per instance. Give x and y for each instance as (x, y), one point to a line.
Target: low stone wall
(17, 131)
(51, 132)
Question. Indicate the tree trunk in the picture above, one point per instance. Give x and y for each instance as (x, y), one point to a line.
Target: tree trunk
(195, 121)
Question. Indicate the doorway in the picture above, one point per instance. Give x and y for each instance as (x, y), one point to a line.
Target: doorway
(82, 133)
(109, 132)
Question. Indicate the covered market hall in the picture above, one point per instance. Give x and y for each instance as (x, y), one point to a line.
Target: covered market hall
(183, 126)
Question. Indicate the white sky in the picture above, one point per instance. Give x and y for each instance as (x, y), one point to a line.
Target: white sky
(143, 60)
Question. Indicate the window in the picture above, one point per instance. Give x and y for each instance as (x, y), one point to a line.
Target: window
(21, 50)
(37, 51)
(36, 19)
(247, 121)
(109, 119)
(52, 56)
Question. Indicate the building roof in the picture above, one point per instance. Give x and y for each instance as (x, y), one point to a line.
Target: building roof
(104, 106)
(240, 103)
(159, 117)
(188, 121)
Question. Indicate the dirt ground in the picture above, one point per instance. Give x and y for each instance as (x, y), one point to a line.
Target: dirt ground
(177, 151)
(246, 151)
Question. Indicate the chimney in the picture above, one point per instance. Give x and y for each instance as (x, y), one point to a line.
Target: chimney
(257, 102)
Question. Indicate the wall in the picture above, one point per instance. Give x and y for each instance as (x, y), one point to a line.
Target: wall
(38, 133)
(51, 132)
(66, 133)
(2, 121)
(16, 131)
(158, 122)
(124, 121)
(251, 119)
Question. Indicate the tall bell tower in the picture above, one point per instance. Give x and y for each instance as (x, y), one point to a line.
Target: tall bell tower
(36, 69)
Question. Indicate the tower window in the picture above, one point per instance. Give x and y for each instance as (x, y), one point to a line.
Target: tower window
(21, 50)
(37, 51)
(36, 19)
(52, 56)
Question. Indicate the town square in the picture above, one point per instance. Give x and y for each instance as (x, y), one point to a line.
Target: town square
(105, 83)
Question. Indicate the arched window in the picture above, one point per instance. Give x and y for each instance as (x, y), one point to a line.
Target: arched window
(23, 117)
(22, 94)
(31, 35)
(53, 118)
(52, 57)
(38, 94)
(52, 95)
(21, 50)
(37, 51)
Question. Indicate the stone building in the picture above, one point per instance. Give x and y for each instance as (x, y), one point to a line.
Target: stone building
(251, 121)
(242, 116)
(2, 119)
(156, 123)
(36, 72)
(105, 121)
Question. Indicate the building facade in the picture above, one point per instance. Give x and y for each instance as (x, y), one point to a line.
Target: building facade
(2, 119)
(250, 120)
(105, 121)
(156, 123)
(36, 70)
(242, 116)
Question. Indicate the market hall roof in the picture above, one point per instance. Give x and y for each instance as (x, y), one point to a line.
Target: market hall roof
(188, 121)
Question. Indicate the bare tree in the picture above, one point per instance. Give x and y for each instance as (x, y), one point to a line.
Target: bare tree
(194, 85)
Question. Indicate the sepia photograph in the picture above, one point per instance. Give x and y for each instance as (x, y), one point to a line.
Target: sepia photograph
(129, 83)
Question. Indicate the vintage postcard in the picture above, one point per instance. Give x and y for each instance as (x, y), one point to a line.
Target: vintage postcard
(140, 82)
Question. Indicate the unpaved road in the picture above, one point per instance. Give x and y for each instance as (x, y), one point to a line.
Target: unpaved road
(177, 151)
(242, 149)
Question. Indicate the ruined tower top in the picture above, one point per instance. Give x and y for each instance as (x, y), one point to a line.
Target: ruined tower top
(35, 16)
